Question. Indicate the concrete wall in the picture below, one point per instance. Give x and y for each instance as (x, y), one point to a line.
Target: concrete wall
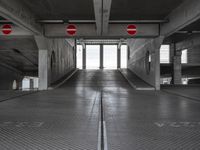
(138, 49)
(193, 46)
(7, 78)
(61, 55)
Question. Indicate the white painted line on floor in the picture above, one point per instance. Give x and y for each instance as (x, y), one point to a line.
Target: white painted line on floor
(105, 136)
(99, 137)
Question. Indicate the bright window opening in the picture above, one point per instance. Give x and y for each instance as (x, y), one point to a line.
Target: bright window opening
(184, 57)
(110, 56)
(124, 56)
(79, 56)
(92, 56)
(26, 83)
(164, 54)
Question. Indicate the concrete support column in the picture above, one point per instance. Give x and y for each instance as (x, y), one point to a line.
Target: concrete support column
(19, 85)
(31, 84)
(177, 73)
(172, 52)
(43, 69)
(119, 57)
(128, 55)
(43, 63)
(84, 57)
(101, 56)
(75, 56)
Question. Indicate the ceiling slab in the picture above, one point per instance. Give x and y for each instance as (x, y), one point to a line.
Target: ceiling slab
(142, 9)
(62, 9)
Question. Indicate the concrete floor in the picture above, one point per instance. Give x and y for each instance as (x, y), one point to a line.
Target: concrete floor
(11, 94)
(67, 118)
(191, 92)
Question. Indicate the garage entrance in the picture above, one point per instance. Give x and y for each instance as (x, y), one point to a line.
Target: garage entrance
(101, 56)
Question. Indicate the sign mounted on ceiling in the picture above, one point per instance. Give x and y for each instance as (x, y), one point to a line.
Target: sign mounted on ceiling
(6, 29)
(71, 30)
(132, 29)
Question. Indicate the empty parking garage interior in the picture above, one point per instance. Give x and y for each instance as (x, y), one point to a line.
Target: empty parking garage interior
(99, 75)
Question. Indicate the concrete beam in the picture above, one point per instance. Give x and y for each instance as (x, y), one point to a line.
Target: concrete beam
(17, 31)
(187, 13)
(16, 12)
(89, 31)
(98, 15)
(189, 43)
(106, 15)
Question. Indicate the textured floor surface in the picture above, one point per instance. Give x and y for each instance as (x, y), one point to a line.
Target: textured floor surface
(190, 91)
(6, 95)
(67, 118)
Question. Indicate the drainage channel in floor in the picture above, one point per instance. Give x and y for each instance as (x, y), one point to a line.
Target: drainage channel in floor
(102, 135)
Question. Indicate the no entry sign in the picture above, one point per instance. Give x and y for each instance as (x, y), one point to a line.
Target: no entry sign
(71, 29)
(6, 29)
(131, 29)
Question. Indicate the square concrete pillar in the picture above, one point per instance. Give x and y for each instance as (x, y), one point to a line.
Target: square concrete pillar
(101, 56)
(172, 52)
(119, 57)
(43, 62)
(84, 57)
(31, 84)
(43, 69)
(177, 66)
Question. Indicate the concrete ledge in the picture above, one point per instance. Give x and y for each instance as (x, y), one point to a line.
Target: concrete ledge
(58, 84)
(135, 81)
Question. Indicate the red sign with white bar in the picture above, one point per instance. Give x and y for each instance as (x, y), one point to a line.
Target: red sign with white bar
(6, 29)
(71, 29)
(131, 29)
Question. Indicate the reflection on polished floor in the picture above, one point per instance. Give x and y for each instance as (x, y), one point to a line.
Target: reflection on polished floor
(68, 118)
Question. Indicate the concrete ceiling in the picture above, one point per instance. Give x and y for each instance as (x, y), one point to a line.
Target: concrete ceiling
(84, 9)
(62, 9)
(19, 53)
(142, 9)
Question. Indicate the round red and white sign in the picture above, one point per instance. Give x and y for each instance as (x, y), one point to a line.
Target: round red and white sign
(131, 29)
(71, 29)
(6, 29)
